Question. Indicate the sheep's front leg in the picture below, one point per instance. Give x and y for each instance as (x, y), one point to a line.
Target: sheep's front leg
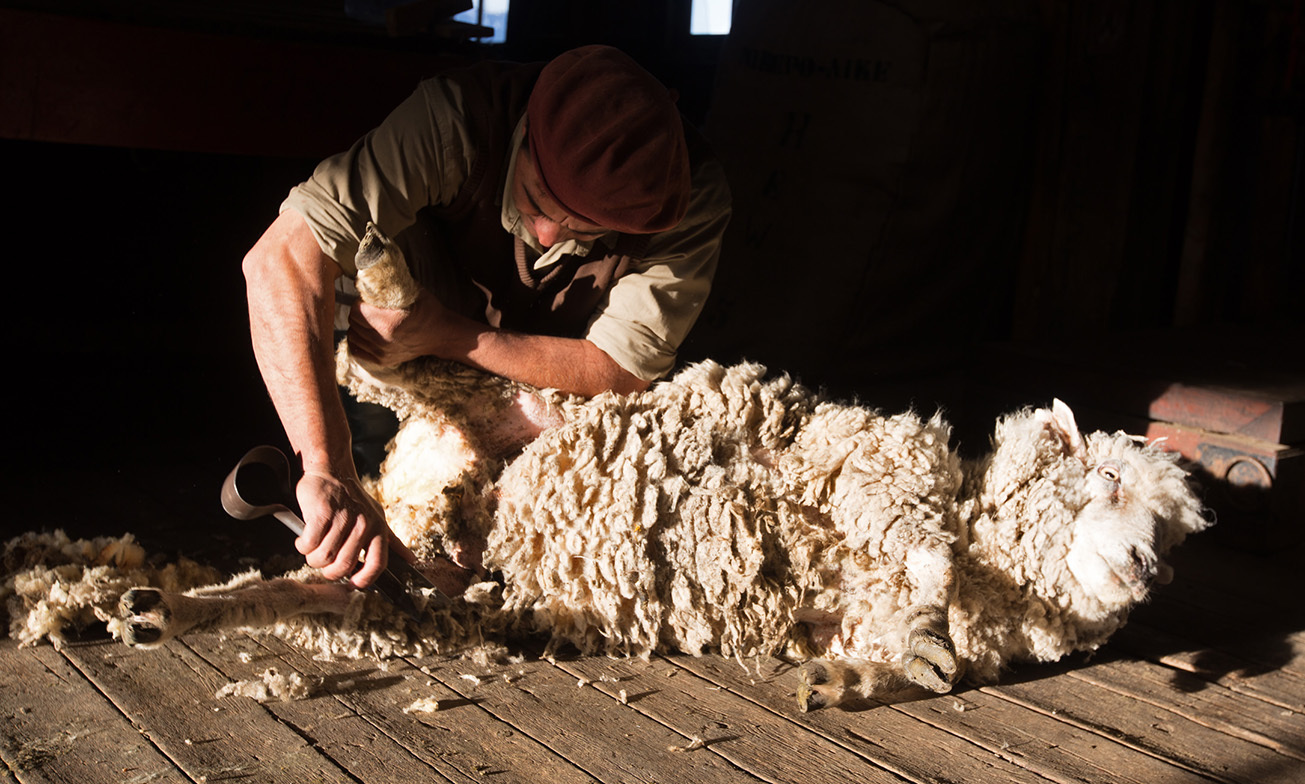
(929, 656)
(152, 617)
(929, 661)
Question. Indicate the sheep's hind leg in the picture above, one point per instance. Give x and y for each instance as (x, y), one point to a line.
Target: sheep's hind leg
(151, 617)
(826, 682)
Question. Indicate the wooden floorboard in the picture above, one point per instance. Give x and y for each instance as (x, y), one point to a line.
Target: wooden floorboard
(1153, 727)
(748, 736)
(1276, 686)
(58, 728)
(461, 741)
(1204, 685)
(884, 737)
(1041, 743)
(608, 740)
(332, 719)
(169, 693)
(1198, 701)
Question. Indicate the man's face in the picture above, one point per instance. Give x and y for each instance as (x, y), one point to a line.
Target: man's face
(544, 218)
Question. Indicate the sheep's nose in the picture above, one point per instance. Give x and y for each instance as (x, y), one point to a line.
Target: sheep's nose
(1142, 566)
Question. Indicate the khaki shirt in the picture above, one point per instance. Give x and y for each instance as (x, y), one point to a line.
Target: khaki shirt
(421, 154)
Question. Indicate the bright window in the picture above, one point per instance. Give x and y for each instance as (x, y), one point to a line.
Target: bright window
(490, 13)
(710, 17)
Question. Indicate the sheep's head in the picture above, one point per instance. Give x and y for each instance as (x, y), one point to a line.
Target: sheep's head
(1140, 505)
(1088, 520)
(1136, 505)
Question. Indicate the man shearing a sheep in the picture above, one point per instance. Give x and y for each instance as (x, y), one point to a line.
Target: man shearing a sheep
(564, 222)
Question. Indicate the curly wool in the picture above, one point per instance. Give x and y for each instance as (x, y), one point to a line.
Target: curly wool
(722, 508)
(706, 511)
(442, 463)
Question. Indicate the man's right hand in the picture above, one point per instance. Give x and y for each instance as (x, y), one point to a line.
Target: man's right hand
(343, 523)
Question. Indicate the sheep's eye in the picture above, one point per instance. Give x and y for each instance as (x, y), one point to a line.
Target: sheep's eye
(1108, 471)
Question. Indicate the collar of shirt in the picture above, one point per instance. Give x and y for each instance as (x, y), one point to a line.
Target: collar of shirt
(511, 217)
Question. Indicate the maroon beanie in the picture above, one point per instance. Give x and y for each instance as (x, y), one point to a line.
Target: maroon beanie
(608, 142)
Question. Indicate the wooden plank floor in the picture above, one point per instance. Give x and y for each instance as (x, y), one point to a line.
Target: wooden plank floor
(1206, 684)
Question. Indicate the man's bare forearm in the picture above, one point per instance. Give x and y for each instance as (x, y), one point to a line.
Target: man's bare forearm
(571, 365)
(291, 301)
(390, 337)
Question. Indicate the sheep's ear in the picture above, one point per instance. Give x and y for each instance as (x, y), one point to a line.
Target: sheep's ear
(1059, 420)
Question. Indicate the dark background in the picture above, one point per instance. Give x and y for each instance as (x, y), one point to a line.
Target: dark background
(978, 191)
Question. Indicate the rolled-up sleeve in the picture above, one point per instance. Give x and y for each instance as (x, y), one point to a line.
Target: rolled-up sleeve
(418, 156)
(647, 314)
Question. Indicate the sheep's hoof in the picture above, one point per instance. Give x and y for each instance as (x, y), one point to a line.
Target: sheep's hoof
(931, 660)
(810, 696)
(816, 688)
(147, 614)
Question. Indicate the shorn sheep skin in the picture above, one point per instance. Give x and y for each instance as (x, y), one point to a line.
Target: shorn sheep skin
(734, 511)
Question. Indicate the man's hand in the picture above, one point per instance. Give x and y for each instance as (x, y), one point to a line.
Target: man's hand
(341, 523)
(391, 337)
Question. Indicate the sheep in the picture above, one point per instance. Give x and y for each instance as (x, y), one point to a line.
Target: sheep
(735, 511)
(730, 511)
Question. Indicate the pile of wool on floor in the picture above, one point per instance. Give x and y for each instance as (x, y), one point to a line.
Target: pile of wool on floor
(55, 587)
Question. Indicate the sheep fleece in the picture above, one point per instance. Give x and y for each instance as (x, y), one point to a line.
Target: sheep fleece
(706, 511)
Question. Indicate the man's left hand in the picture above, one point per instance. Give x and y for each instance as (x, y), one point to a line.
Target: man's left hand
(387, 337)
